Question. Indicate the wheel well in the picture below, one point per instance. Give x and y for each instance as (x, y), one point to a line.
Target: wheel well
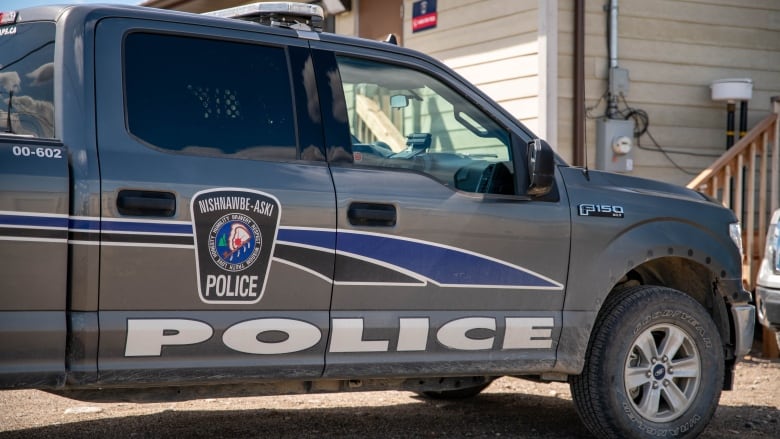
(689, 277)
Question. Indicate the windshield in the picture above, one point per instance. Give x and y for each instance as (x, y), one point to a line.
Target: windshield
(27, 79)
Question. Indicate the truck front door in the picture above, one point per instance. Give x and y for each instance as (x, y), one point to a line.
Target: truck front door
(213, 176)
(444, 265)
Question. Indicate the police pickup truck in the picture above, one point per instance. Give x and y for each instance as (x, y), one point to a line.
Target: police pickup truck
(197, 205)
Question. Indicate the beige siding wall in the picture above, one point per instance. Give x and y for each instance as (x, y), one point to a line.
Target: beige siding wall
(346, 23)
(492, 43)
(673, 50)
(565, 76)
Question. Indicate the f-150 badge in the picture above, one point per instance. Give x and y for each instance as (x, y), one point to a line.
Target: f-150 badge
(602, 210)
(235, 232)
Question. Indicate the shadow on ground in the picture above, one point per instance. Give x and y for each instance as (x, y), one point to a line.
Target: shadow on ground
(488, 415)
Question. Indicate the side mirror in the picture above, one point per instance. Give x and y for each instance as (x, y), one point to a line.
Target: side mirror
(541, 167)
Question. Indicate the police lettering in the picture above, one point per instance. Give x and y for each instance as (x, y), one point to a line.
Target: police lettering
(147, 337)
(231, 286)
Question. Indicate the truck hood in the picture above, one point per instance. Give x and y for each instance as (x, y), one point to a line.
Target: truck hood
(646, 186)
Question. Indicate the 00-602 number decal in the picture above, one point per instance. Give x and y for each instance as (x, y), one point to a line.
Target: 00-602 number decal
(40, 152)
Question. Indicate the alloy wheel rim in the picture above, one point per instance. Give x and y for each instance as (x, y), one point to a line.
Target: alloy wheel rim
(662, 373)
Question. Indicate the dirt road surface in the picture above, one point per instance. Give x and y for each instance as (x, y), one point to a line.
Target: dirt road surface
(509, 408)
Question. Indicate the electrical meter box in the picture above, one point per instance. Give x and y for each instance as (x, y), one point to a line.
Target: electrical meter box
(615, 145)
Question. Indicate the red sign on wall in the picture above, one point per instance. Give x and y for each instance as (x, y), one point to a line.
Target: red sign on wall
(424, 15)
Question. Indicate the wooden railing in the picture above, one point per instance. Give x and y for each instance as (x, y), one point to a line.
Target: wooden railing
(739, 180)
(745, 179)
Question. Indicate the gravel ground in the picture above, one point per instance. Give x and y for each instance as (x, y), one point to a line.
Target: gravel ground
(510, 407)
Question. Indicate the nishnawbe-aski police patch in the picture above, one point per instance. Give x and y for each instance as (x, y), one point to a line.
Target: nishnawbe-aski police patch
(235, 232)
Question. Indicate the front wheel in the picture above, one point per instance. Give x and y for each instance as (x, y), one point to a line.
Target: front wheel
(654, 367)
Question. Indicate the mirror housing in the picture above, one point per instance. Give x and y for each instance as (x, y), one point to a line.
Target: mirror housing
(541, 167)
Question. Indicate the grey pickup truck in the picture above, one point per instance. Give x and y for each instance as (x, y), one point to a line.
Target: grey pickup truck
(240, 204)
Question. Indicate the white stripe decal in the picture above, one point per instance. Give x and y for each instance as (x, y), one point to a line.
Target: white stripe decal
(15, 226)
(45, 215)
(30, 239)
(144, 244)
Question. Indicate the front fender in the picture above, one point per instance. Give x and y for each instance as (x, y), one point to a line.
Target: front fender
(593, 275)
(595, 269)
(655, 226)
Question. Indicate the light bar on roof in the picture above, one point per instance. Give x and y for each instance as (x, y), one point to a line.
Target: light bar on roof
(281, 14)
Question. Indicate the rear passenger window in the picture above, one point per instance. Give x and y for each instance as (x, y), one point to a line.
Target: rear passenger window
(209, 97)
(27, 79)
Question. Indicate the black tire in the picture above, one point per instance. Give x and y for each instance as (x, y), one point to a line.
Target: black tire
(633, 384)
(466, 392)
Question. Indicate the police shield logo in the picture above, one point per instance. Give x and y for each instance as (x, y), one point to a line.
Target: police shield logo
(235, 233)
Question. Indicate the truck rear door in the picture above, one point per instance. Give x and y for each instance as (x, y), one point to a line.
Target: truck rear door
(33, 212)
(213, 181)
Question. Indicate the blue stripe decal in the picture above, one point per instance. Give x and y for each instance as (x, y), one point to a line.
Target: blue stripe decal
(84, 224)
(33, 221)
(443, 265)
(325, 239)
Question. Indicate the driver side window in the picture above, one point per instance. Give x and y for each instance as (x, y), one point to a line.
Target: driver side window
(401, 118)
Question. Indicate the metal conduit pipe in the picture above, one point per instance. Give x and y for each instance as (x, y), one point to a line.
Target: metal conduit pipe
(613, 29)
(613, 54)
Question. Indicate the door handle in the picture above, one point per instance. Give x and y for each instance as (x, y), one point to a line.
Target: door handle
(146, 203)
(372, 214)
